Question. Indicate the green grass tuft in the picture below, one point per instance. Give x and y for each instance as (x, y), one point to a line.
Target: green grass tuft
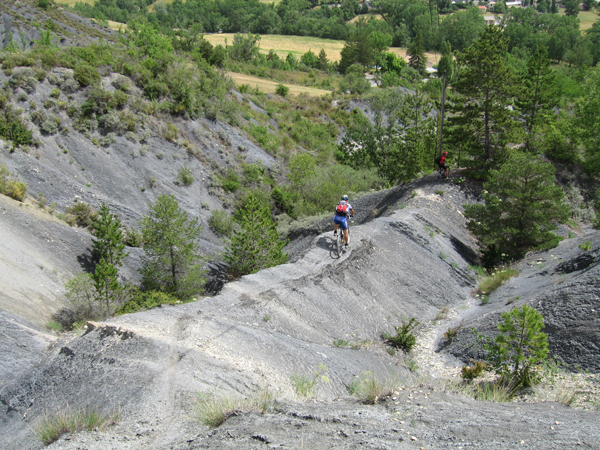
(52, 427)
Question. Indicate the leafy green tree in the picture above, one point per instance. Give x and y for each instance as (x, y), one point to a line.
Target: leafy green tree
(587, 121)
(379, 43)
(244, 47)
(482, 107)
(256, 244)
(357, 50)
(520, 347)
(109, 251)
(396, 142)
(301, 171)
(462, 28)
(523, 205)
(354, 81)
(172, 260)
(593, 36)
(309, 59)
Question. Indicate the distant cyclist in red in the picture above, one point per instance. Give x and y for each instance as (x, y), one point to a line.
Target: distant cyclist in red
(441, 162)
(342, 211)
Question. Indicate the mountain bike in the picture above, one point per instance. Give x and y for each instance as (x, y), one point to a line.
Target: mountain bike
(441, 175)
(339, 239)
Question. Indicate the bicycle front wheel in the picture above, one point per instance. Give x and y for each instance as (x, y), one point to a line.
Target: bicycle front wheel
(339, 242)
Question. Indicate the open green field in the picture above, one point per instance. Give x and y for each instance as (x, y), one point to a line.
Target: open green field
(269, 86)
(586, 18)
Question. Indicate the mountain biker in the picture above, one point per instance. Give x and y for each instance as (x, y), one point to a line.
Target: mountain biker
(342, 210)
(441, 162)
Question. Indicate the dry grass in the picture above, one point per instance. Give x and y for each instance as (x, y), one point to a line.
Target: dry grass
(282, 45)
(269, 86)
(213, 411)
(298, 45)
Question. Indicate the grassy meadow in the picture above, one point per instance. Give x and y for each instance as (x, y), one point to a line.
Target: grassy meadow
(298, 45)
(269, 86)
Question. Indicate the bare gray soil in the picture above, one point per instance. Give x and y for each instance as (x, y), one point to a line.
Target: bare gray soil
(265, 329)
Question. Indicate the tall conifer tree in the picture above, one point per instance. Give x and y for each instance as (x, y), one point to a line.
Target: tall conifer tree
(109, 250)
(256, 244)
(482, 107)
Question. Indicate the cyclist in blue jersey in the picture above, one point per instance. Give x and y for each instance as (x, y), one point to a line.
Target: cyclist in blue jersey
(343, 210)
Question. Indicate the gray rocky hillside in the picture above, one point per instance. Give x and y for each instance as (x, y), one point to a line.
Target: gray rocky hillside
(317, 318)
(266, 329)
(22, 23)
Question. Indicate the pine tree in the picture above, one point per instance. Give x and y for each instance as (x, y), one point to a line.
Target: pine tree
(416, 52)
(108, 250)
(523, 205)
(446, 63)
(520, 346)
(323, 63)
(482, 106)
(256, 244)
(172, 261)
(537, 95)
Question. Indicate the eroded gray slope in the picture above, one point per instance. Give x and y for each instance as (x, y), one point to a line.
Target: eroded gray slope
(563, 284)
(151, 364)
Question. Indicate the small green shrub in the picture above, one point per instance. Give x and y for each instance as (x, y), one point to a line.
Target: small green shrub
(404, 338)
(86, 75)
(486, 391)
(185, 177)
(440, 193)
(54, 326)
(83, 214)
(132, 237)
(490, 283)
(55, 93)
(519, 349)
(453, 331)
(477, 269)
(51, 125)
(586, 246)
(221, 222)
(282, 90)
(42, 201)
(143, 301)
(474, 371)
(170, 132)
(10, 186)
(340, 343)
(231, 182)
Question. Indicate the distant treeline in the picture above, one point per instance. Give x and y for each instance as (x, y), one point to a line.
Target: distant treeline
(403, 20)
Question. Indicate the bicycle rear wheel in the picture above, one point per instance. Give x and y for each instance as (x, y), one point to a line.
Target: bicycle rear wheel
(339, 242)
